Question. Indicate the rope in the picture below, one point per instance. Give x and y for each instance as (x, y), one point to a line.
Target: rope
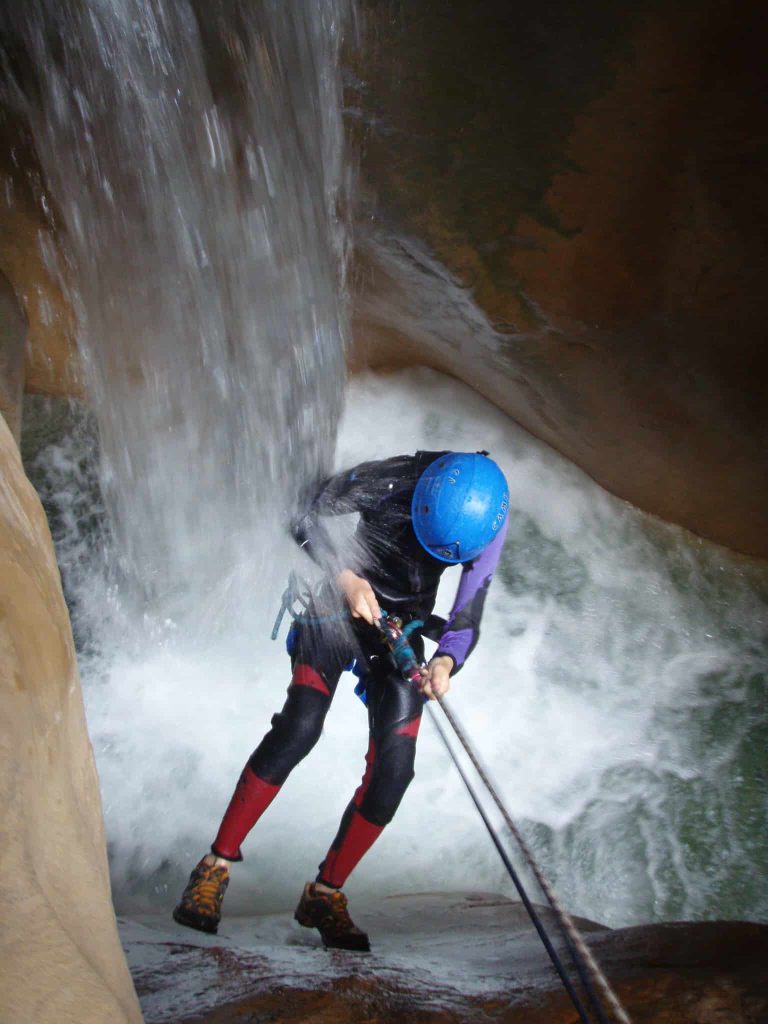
(563, 918)
(532, 913)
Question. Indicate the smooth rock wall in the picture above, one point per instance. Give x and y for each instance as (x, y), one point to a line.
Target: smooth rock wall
(60, 957)
(593, 177)
(32, 262)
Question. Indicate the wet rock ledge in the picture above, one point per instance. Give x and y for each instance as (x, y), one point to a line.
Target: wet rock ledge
(441, 958)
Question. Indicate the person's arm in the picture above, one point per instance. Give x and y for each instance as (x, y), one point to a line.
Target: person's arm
(336, 496)
(355, 490)
(462, 628)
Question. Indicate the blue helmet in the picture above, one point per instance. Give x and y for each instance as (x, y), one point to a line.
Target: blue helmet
(459, 505)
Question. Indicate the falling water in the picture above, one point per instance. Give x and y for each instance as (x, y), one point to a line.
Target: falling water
(193, 152)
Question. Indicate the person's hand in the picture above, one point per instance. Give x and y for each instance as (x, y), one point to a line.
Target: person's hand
(436, 677)
(359, 596)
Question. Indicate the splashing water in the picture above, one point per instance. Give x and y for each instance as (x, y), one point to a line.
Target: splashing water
(617, 694)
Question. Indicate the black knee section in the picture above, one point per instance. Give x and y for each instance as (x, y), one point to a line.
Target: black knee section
(295, 730)
(392, 774)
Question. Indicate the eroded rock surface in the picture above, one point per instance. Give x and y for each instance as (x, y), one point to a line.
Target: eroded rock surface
(60, 958)
(591, 177)
(13, 333)
(29, 258)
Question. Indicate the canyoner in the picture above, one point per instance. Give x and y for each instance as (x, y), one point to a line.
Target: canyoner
(418, 515)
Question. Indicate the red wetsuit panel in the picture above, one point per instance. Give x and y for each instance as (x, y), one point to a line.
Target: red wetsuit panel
(359, 837)
(251, 798)
(370, 759)
(410, 729)
(305, 675)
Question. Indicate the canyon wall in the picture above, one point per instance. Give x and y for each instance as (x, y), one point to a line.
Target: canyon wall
(592, 178)
(33, 266)
(60, 957)
(13, 332)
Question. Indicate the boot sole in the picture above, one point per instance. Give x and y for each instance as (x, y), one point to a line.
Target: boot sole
(360, 946)
(200, 924)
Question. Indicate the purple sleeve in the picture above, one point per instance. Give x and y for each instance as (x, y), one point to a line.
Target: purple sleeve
(462, 628)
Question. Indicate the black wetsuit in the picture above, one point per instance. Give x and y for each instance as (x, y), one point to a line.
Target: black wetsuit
(405, 578)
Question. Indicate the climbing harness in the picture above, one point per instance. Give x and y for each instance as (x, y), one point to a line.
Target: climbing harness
(298, 593)
(395, 635)
(589, 972)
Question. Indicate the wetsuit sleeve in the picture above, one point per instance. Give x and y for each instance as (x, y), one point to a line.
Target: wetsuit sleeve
(334, 497)
(355, 490)
(462, 628)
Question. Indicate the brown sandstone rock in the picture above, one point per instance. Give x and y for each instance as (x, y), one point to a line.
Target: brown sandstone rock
(443, 957)
(13, 332)
(593, 176)
(60, 958)
(51, 364)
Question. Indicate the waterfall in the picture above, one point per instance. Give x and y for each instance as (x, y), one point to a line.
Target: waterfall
(194, 160)
(617, 694)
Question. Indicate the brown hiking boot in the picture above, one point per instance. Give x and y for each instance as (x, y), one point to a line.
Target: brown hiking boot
(200, 903)
(327, 911)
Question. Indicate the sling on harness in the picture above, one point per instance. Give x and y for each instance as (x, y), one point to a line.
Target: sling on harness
(298, 592)
(403, 657)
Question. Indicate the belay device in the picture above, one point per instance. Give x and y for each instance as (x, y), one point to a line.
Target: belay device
(396, 638)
